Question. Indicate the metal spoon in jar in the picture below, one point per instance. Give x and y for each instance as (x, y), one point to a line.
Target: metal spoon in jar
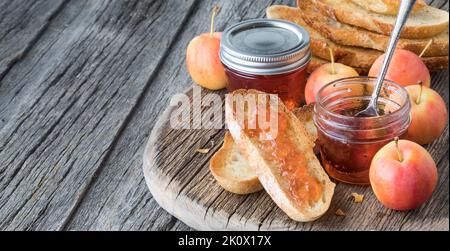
(403, 12)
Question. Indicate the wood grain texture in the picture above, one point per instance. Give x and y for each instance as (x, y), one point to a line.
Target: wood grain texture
(81, 86)
(66, 104)
(21, 25)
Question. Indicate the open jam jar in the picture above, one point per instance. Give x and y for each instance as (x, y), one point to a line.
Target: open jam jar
(267, 55)
(348, 143)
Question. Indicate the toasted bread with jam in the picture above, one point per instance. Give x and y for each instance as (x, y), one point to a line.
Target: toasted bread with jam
(233, 171)
(284, 161)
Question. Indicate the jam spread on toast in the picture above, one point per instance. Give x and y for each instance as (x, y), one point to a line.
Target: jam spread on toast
(282, 151)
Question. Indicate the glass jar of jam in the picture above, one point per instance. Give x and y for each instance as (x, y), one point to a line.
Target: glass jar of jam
(267, 55)
(348, 143)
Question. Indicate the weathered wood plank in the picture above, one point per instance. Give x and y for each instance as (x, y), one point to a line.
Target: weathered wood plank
(123, 204)
(21, 24)
(69, 99)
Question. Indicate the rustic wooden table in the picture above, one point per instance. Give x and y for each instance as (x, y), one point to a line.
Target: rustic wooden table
(81, 85)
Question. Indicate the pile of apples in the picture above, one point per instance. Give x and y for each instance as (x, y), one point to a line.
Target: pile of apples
(403, 174)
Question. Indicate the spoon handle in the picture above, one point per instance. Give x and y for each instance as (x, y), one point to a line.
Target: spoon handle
(403, 12)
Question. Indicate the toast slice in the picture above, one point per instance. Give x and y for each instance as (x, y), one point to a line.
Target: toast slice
(317, 62)
(352, 56)
(305, 116)
(359, 58)
(386, 7)
(232, 170)
(424, 23)
(345, 34)
(434, 64)
(284, 162)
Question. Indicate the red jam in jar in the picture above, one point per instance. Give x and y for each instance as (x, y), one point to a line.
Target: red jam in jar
(290, 87)
(269, 56)
(347, 142)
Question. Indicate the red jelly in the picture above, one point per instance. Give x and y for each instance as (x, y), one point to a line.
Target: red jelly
(267, 55)
(290, 87)
(348, 143)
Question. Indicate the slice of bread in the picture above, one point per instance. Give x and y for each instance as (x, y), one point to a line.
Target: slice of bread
(300, 186)
(386, 7)
(305, 116)
(359, 58)
(434, 64)
(352, 56)
(232, 170)
(316, 62)
(317, 41)
(424, 23)
(345, 34)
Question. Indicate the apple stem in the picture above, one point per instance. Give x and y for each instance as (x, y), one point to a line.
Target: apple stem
(399, 153)
(426, 48)
(420, 92)
(333, 70)
(213, 15)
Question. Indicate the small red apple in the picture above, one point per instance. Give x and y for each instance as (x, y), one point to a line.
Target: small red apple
(325, 74)
(202, 59)
(406, 68)
(428, 114)
(403, 175)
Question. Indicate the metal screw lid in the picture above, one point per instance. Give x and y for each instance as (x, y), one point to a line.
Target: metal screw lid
(265, 47)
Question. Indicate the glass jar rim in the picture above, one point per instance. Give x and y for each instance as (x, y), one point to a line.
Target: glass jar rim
(245, 55)
(318, 97)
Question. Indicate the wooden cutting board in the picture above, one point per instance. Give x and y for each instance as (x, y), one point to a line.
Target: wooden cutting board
(180, 181)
